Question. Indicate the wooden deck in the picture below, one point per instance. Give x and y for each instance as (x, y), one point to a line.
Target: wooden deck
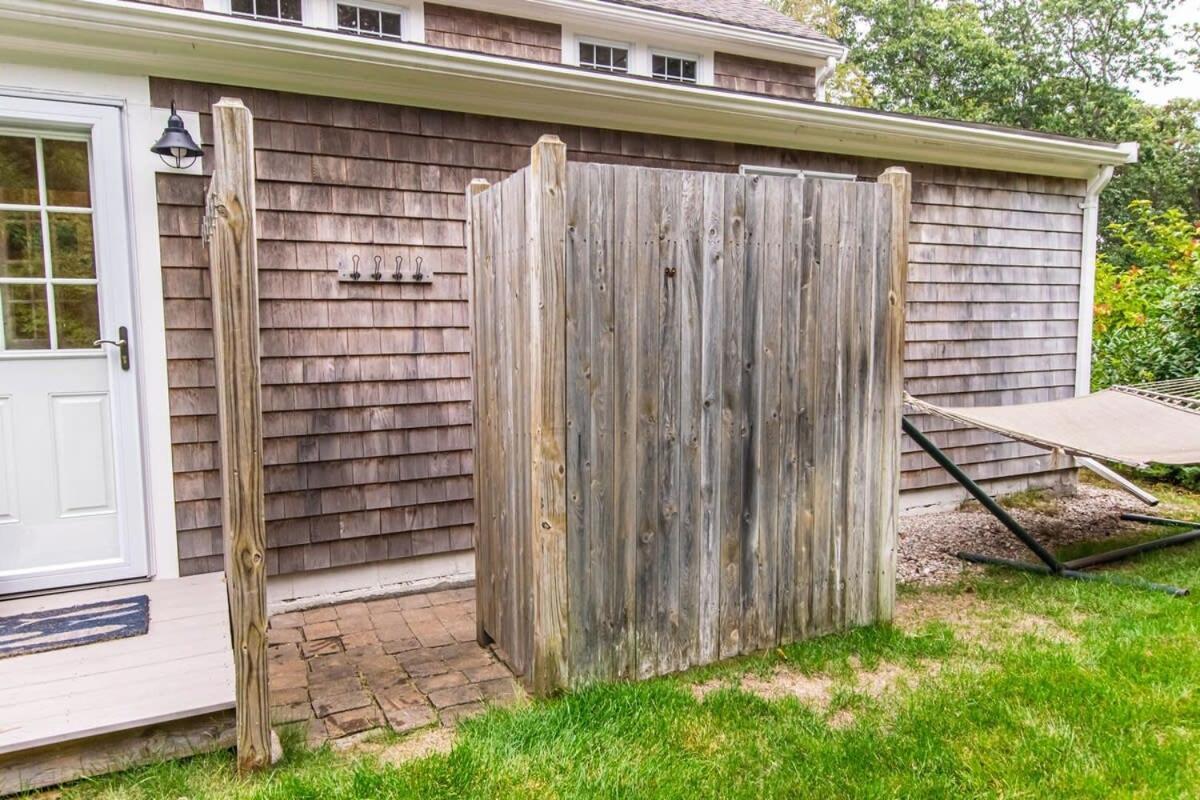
(144, 687)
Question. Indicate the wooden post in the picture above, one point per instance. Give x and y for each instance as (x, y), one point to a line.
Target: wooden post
(483, 599)
(234, 262)
(901, 211)
(546, 231)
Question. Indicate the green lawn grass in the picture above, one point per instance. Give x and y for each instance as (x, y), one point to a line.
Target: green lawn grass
(1109, 707)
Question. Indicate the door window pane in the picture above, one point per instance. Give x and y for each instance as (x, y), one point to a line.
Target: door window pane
(67, 174)
(26, 322)
(77, 316)
(72, 252)
(21, 244)
(18, 170)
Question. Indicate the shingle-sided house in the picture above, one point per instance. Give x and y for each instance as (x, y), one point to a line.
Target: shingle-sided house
(371, 117)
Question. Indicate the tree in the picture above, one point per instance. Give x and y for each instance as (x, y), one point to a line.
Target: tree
(1057, 66)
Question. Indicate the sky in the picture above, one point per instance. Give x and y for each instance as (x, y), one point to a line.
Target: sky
(1189, 83)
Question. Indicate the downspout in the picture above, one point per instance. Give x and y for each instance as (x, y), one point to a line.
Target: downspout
(1087, 272)
(823, 74)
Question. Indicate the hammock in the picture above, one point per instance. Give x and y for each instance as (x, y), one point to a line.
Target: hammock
(1152, 423)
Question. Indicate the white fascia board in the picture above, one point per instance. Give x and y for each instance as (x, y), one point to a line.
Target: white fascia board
(668, 30)
(123, 37)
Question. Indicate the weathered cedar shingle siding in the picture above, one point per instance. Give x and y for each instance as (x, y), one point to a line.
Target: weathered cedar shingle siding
(367, 387)
(495, 34)
(744, 74)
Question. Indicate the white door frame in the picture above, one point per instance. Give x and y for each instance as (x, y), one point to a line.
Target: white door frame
(114, 269)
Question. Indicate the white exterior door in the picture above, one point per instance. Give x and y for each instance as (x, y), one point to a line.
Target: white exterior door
(71, 504)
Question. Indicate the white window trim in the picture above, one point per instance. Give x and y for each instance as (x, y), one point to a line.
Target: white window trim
(323, 14)
(640, 55)
(704, 66)
(388, 8)
(601, 42)
(787, 172)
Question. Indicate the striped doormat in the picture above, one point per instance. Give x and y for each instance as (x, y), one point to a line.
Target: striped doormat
(22, 634)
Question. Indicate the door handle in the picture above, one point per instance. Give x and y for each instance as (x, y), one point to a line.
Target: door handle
(121, 343)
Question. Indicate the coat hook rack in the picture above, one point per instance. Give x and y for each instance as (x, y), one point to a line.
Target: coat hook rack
(355, 273)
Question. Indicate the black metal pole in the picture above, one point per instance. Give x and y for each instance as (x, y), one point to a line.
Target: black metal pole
(1132, 550)
(1052, 563)
(1074, 574)
(1158, 521)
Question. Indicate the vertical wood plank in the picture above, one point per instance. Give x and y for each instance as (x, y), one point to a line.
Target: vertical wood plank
(711, 346)
(601, 520)
(483, 596)
(233, 259)
(545, 231)
(690, 262)
(647, 449)
(824, 332)
(626, 212)
(791, 386)
(670, 228)
(733, 417)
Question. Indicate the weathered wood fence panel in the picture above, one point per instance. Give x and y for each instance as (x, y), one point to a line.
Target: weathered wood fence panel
(730, 352)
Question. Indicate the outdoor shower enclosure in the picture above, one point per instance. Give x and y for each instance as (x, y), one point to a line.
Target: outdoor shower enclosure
(687, 410)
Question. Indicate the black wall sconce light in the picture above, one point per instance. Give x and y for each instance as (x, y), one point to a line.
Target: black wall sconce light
(176, 147)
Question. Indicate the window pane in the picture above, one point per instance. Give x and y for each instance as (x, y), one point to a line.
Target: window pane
(347, 16)
(290, 10)
(674, 68)
(267, 8)
(72, 254)
(391, 25)
(242, 6)
(77, 316)
(67, 176)
(21, 245)
(689, 71)
(660, 65)
(368, 20)
(18, 170)
(587, 54)
(603, 56)
(620, 59)
(26, 323)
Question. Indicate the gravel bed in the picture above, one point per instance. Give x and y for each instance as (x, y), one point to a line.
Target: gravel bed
(929, 540)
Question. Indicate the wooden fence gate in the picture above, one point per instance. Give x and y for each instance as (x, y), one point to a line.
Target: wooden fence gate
(687, 400)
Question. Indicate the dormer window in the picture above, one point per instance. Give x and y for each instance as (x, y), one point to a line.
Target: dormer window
(277, 10)
(370, 21)
(636, 57)
(603, 57)
(391, 20)
(677, 69)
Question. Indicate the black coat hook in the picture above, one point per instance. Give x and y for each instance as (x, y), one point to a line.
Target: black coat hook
(378, 273)
(356, 274)
(397, 275)
(417, 275)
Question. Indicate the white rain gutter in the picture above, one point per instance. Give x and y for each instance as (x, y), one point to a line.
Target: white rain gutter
(114, 36)
(1087, 278)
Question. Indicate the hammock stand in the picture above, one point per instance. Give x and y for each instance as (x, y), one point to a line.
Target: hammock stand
(1062, 421)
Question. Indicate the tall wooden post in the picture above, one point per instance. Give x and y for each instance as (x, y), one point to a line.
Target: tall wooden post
(545, 228)
(901, 210)
(234, 261)
(483, 598)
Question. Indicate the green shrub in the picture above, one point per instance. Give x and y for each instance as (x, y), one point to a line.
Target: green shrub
(1147, 313)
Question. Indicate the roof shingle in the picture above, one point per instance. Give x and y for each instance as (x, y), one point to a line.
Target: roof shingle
(754, 14)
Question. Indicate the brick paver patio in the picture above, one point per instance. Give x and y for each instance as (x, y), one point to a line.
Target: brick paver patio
(403, 662)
